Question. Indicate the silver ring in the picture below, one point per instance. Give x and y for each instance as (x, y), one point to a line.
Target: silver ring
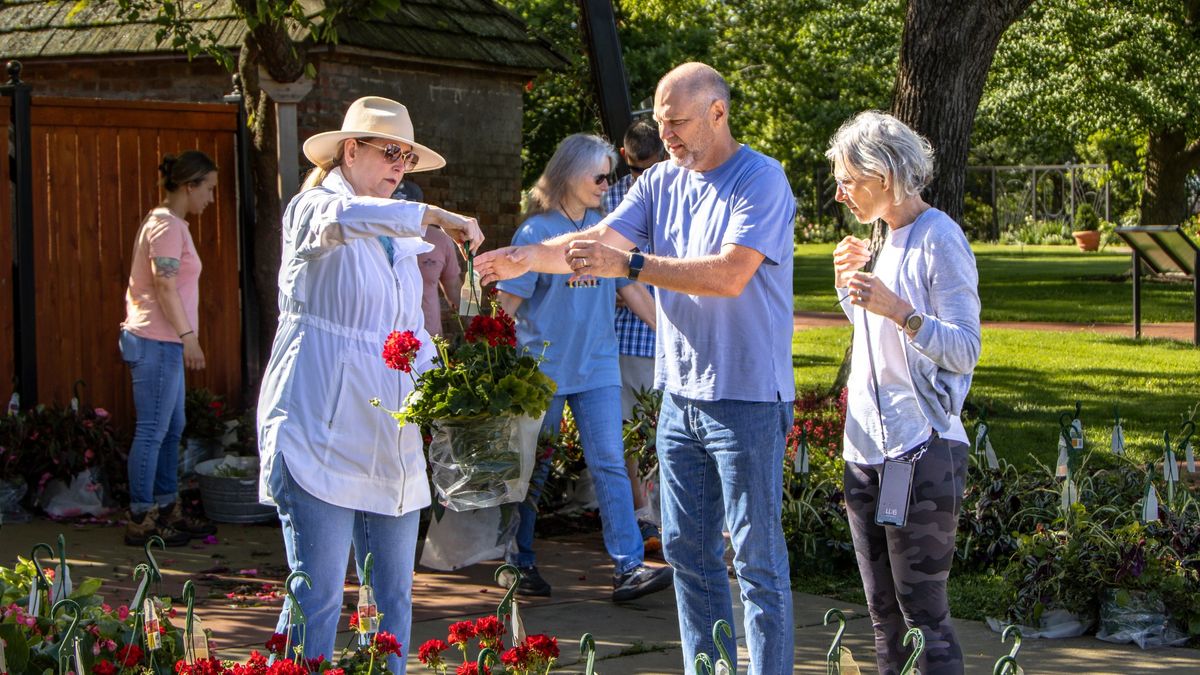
(585, 262)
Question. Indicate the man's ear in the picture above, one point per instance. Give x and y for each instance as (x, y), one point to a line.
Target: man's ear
(718, 112)
(621, 150)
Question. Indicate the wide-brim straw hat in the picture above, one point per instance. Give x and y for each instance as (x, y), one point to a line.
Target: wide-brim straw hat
(372, 117)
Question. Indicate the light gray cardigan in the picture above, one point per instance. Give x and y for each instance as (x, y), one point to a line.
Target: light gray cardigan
(938, 278)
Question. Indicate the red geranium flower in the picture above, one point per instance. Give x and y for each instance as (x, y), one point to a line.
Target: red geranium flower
(517, 657)
(489, 627)
(430, 653)
(472, 668)
(497, 330)
(286, 667)
(104, 667)
(461, 632)
(386, 643)
(354, 621)
(547, 647)
(400, 349)
(209, 666)
(255, 665)
(277, 643)
(129, 655)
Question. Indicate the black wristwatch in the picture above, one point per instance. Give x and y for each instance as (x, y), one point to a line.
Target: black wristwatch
(913, 322)
(636, 260)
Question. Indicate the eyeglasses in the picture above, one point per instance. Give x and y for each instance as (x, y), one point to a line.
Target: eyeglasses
(394, 153)
(602, 178)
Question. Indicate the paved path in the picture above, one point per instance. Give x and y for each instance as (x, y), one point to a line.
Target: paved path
(632, 639)
(1172, 331)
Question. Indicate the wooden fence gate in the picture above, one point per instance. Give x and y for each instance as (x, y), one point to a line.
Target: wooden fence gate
(95, 176)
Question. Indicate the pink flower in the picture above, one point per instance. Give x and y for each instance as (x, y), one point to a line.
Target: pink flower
(123, 612)
(101, 413)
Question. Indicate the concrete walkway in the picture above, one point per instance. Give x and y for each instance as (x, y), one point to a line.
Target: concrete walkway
(1171, 331)
(239, 581)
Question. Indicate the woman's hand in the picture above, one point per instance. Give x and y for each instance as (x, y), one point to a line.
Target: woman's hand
(599, 260)
(849, 257)
(193, 356)
(462, 229)
(868, 292)
(502, 263)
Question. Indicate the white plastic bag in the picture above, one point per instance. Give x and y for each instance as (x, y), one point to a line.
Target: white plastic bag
(458, 539)
(85, 495)
(1055, 623)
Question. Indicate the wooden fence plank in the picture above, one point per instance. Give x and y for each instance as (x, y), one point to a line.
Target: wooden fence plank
(7, 324)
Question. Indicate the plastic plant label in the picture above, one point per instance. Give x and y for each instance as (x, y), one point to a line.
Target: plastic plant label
(62, 587)
(196, 644)
(78, 655)
(518, 626)
(35, 599)
(848, 665)
(1070, 495)
(801, 463)
(150, 625)
(1118, 440)
(990, 454)
(1077, 438)
(1150, 506)
(1061, 471)
(470, 295)
(368, 614)
(1170, 467)
(1189, 455)
(723, 668)
(981, 431)
(14, 404)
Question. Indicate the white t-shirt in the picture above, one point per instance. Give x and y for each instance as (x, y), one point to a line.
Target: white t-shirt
(904, 426)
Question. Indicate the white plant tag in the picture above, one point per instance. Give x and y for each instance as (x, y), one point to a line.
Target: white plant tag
(1061, 471)
(368, 615)
(1077, 440)
(1118, 440)
(801, 462)
(35, 599)
(62, 586)
(150, 625)
(14, 404)
(990, 453)
(1190, 456)
(470, 296)
(848, 664)
(78, 655)
(1150, 506)
(1070, 495)
(518, 626)
(1170, 467)
(723, 668)
(196, 644)
(981, 430)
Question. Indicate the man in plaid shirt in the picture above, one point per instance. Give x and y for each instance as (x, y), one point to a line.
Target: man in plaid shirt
(641, 149)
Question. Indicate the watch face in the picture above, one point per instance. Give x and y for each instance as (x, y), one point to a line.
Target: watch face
(914, 322)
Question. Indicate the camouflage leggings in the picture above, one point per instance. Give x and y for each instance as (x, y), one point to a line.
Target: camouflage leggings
(904, 569)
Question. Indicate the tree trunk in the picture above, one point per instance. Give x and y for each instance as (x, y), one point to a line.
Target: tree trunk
(1169, 160)
(945, 53)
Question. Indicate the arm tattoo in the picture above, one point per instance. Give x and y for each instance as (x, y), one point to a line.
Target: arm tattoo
(166, 267)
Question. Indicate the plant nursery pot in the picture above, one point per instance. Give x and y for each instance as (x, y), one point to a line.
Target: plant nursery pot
(232, 498)
(196, 450)
(1087, 240)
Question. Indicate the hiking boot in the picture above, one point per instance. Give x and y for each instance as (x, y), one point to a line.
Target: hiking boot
(193, 526)
(651, 537)
(532, 584)
(139, 527)
(641, 580)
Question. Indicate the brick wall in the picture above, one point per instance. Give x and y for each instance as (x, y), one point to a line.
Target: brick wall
(471, 118)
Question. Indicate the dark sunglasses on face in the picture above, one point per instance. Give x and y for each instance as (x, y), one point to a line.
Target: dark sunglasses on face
(603, 178)
(394, 153)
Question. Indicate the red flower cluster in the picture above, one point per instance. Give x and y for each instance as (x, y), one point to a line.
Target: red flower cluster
(461, 632)
(129, 655)
(534, 653)
(104, 667)
(546, 647)
(354, 621)
(431, 652)
(472, 668)
(400, 349)
(386, 643)
(497, 330)
(209, 666)
(277, 643)
(489, 627)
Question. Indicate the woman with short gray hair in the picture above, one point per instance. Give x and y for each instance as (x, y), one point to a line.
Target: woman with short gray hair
(914, 304)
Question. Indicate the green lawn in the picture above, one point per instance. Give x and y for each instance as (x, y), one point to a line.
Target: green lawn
(1027, 378)
(1030, 283)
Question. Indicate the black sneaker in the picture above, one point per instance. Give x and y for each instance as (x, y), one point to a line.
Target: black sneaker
(641, 580)
(532, 584)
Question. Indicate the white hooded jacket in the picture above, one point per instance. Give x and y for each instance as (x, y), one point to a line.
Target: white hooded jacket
(338, 301)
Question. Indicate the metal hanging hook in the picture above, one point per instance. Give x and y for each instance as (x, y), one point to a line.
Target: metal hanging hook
(295, 611)
(917, 639)
(1186, 430)
(42, 582)
(1005, 665)
(704, 664)
(722, 626)
(72, 607)
(368, 563)
(486, 658)
(505, 606)
(155, 572)
(587, 649)
(1014, 632)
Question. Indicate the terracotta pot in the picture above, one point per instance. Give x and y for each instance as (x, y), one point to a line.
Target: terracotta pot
(1087, 240)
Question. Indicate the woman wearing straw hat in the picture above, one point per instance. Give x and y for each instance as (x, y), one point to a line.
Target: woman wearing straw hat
(339, 471)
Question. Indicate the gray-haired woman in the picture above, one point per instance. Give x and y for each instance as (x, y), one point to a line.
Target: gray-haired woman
(916, 343)
(574, 314)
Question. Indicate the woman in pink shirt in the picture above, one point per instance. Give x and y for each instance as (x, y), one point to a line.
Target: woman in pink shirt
(158, 340)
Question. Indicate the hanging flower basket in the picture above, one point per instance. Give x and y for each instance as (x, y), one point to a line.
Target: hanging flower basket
(482, 463)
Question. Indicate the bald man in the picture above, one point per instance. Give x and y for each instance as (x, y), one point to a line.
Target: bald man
(716, 222)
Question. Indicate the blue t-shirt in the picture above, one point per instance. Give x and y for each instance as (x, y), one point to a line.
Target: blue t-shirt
(575, 317)
(712, 348)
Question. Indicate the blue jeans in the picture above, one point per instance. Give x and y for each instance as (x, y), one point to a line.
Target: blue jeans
(721, 466)
(317, 536)
(598, 415)
(157, 370)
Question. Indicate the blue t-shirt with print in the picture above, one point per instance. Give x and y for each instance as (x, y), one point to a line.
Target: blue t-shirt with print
(712, 348)
(576, 318)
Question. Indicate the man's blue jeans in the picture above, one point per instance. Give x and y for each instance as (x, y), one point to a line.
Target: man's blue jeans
(598, 416)
(317, 536)
(157, 370)
(721, 467)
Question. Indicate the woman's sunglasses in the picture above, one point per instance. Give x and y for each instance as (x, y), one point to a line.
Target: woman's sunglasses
(603, 178)
(394, 153)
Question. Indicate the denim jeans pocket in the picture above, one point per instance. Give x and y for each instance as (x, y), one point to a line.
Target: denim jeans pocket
(131, 347)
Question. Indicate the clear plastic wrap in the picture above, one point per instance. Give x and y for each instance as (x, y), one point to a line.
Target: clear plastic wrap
(480, 463)
(1139, 617)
